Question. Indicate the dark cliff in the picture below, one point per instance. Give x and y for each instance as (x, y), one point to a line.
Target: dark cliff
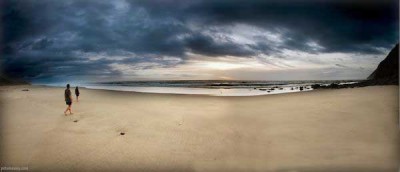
(387, 72)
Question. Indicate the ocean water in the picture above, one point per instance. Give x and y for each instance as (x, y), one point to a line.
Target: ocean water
(213, 87)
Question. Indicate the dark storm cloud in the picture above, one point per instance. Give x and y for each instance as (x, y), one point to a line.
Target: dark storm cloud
(41, 38)
(337, 25)
(202, 44)
(47, 65)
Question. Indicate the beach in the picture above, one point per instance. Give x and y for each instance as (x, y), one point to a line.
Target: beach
(354, 129)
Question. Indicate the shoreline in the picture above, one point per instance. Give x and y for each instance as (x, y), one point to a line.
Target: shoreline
(189, 91)
(214, 87)
(319, 90)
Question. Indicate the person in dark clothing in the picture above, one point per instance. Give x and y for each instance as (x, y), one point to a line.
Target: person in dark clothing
(68, 100)
(77, 93)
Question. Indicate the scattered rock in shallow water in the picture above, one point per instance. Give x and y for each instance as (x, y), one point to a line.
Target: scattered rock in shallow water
(333, 85)
(301, 88)
(25, 90)
(315, 86)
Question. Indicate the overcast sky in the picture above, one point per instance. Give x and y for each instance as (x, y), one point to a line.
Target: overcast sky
(99, 40)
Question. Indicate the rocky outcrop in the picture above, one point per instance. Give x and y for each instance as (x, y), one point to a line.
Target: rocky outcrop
(387, 72)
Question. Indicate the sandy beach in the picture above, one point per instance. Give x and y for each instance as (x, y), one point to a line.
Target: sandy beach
(323, 130)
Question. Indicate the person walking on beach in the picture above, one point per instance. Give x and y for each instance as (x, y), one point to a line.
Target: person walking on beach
(68, 100)
(77, 93)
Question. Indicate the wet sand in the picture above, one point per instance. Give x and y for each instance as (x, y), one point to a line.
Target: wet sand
(324, 130)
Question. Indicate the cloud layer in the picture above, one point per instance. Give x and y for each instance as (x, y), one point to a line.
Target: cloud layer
(120, 39)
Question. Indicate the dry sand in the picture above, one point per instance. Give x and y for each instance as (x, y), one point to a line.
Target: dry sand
(325, 130)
